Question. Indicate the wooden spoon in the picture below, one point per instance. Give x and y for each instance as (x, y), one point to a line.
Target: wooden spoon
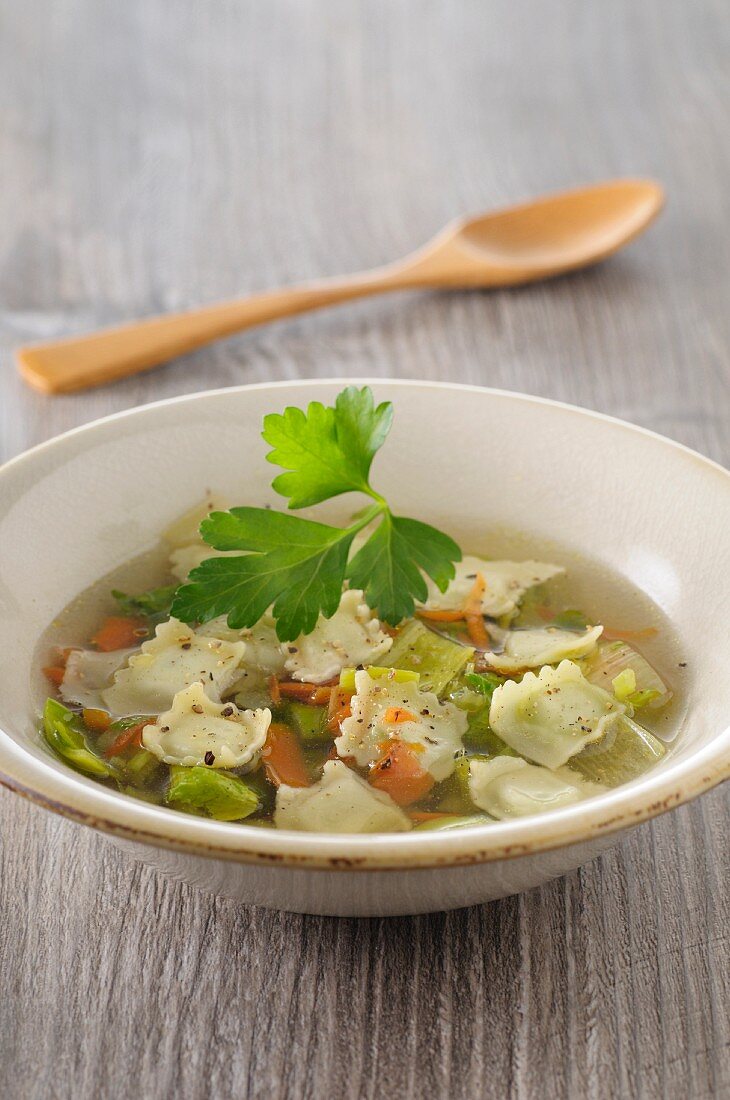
(534, 240)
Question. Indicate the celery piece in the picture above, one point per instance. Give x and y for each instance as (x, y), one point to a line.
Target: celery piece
(453, 821)
(63, 731)
(481, 737)
(643, 698)
(154, 604)
(310, 722)
(400, 675)
(436, 659)
(626, 751)
(201, 790)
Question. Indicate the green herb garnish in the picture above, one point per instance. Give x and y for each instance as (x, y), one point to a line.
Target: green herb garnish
(297, 566)
(153, 604)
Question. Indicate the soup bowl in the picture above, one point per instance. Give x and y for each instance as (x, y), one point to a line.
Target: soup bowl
(639, 506)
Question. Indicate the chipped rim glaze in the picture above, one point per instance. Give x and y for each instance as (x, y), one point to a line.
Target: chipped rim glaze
(52, 785)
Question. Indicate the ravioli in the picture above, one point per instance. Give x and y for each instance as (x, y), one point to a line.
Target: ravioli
(506, 584)
(384, 710)
(176, 657)
(88, 672)
(351, 637)
(198, 731)
(541, 646)
(264, 655)
(507, 786)
(552, 716)
(340, 802)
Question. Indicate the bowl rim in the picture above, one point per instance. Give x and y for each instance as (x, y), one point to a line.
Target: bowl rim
(58, 788)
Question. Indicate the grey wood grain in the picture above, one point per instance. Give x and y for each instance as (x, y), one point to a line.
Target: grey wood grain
(159, 154)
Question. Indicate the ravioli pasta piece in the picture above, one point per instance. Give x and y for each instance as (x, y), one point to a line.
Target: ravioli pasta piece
(197, 731)
(541, 646)
(384, 710)
(264, 654)
(88, 672)
(507, 786)
(175, 658)
(351, 637)
(506, 584)
(340, 802)
(185, 529)
(550, 717)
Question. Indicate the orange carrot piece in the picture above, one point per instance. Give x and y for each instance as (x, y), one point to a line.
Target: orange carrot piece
(283, 757)
(396, 716)
(55, 673)
(318, 695)
(129, 738)
(473, 614)
(440, 616)
(399, 774)
(274, 690)
(339, 708)
(425, 815)
(98, 720)
(119, 633)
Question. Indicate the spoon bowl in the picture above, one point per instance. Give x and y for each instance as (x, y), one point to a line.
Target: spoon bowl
(534, 240)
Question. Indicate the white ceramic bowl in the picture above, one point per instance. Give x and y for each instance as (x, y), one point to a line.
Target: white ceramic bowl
(655, 512)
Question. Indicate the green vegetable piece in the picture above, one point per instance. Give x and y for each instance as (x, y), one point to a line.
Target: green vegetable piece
(310, 722)
(455, 821)
(484, 683)
(437, 659)
(399, 675)
(298, 567)
(643, 698)
(571, 620)
(624, 684)
(626, 751)
(142, 765)
(64, 733)
(201, 790)
(153, 604)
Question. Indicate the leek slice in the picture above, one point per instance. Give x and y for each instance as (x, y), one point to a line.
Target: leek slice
(613, 661)
(436, 658)
(63, 732)
(203, 791)
(626, 751)
(375, 672)
(310, 722)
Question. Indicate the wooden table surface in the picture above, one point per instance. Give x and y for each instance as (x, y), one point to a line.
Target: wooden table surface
(158, 154)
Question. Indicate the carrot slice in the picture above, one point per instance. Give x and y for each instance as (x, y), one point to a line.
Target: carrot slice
(274, 690)
(119, 633)
(94, 719)
(399, 774)
(131, 737)
(426, 815)
(339, 708)
(473, 613)
(55, 673)
(440, 616)
(316, 694)
(283, 757)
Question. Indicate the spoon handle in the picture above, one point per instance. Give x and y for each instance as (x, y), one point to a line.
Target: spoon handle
(62, 366)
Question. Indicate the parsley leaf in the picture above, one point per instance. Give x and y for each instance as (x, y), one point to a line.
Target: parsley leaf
(328, 451)
(388, 566)
(297, 567)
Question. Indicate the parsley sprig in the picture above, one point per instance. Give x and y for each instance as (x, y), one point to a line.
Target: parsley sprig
(296, 566)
